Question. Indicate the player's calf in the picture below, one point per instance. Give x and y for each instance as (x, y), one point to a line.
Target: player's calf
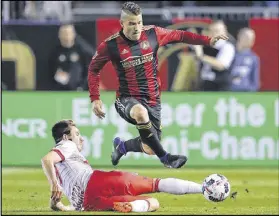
(147, 205)
(146, 149)
(148, 133)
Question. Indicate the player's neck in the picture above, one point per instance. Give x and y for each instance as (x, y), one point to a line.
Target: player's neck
(124, 36)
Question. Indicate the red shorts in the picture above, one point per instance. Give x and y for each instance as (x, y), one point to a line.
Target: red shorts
(105, 188)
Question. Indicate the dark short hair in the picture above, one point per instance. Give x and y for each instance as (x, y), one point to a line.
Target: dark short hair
(131, 7)
(60, 128)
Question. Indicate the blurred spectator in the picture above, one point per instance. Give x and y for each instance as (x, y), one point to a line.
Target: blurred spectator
(245, 70)
(216, 62)
(68, 63)
(58, 10)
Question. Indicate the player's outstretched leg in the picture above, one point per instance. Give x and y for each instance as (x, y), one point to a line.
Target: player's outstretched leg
(178, 186)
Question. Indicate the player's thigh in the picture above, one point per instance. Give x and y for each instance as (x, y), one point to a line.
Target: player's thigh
(118, 183)
(129, 183)
(123, 107)
(112, 183)
(155, 118)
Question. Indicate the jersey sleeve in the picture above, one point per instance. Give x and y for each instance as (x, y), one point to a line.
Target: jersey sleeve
(65, 150)
(98, 61)
(165, 36)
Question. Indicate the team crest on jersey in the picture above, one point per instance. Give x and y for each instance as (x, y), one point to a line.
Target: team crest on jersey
(144, 45)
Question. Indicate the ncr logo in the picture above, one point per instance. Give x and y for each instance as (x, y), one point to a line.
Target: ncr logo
(25, 128)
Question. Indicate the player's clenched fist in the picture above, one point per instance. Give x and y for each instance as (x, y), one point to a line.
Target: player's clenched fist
(97, 106)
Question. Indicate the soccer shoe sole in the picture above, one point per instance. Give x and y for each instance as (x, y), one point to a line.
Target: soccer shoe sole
(123, 207)
(178, 163)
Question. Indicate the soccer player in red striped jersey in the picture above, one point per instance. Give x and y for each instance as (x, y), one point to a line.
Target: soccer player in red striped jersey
(133, 53)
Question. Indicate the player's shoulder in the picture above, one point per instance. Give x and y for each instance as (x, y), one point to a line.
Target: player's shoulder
(65, 144)
(116, 35)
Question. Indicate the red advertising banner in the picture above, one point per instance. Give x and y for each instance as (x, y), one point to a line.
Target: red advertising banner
(104, 29)
(267, 48)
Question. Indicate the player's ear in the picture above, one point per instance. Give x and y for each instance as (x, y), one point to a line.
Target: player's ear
(121, 23)
(65, 137)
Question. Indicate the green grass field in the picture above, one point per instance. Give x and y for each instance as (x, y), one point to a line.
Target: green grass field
(26, 191)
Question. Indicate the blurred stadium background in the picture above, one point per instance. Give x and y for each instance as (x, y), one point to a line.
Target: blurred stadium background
(233, 132)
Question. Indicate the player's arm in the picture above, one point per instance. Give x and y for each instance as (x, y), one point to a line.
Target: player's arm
(165, 36)
(48, 163)
(98, 61)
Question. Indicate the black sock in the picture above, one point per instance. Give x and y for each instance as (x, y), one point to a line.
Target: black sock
(133, 145)
(149, 137)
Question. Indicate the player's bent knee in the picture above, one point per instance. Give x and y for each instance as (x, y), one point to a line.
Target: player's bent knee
(154, 204)
(147, 149)
(139, 113)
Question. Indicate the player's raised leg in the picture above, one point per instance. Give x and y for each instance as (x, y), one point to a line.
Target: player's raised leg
(148, 136)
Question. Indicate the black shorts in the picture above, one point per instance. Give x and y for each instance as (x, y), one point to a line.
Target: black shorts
(123, 106)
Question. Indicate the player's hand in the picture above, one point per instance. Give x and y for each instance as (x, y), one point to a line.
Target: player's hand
(59, 206)
(97, 106)
(214, 39)
(56, 192)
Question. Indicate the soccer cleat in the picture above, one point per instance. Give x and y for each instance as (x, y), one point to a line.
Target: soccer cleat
(174, 161)
(123, 207)
(116, 154)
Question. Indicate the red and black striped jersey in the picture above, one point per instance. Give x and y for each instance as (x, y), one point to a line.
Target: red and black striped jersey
(136, 62)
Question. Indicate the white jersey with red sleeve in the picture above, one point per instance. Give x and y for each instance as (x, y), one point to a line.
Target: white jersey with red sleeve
(73, 172)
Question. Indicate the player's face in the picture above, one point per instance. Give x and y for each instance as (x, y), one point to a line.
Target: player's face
(76, 137)
(132, 26)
